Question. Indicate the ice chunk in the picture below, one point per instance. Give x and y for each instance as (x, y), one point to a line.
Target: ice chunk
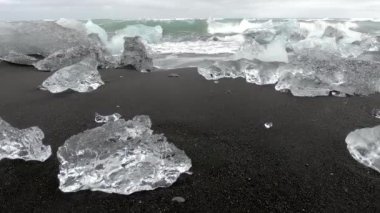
(215, 70)
(23, 144)
(303, 85)
(272, 52)
(38, 38)
(120, 157)
(268, 125)
(107, 118)
(364, 146)
(313, 75)
(148, 34)
(80, 77)
(63, 58)
(135, 55)
(19, 58)
(73, 55)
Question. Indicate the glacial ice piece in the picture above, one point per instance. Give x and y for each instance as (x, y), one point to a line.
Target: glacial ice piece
(23, 144)
(303, 85)
(63, 58)
(313, 75)
(73, 55)
(80, 77)
(107, 118)
(120, 157)
(135, 54)
(268, 125)
(19, 58)
(364, 146)
(38, 38)
(274, 51)
(215, 70)
(254, 71)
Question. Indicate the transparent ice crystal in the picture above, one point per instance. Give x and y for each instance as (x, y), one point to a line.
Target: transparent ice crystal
(364, 146)
(106, 118)
(120, 157)
(80, 77)
(23, 144)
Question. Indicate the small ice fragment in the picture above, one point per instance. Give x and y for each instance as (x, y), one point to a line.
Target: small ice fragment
(338, 94)
(173, 75)
(23, 144)
(216, 82)
(107, 118)
(178, 199)
(117, 106)
(120, 157)
(364, 146)
(268, 125)
(376, 113)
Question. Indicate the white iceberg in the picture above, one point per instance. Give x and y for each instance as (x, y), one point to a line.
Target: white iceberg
(106, 118)
(120, 157)
(23, 144)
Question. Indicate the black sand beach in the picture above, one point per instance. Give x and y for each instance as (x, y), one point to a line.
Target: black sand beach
(301, 164)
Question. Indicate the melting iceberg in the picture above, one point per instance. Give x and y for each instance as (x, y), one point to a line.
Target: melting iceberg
(120, 157)
(80, 77)
(23, 144)
(106, 118)
(364, 146)
(73, 55)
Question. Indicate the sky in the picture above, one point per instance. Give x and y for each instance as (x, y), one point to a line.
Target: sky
(137, 9)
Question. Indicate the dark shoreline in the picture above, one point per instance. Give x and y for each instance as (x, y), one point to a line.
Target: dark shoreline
(301, 164)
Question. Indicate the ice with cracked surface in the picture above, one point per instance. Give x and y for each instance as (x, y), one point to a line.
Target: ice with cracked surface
(120, 157)
(23, 144)
(364, 146)
(106, 118)
(80, 77)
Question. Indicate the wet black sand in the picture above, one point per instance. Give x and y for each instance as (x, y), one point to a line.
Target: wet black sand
(301, 164)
